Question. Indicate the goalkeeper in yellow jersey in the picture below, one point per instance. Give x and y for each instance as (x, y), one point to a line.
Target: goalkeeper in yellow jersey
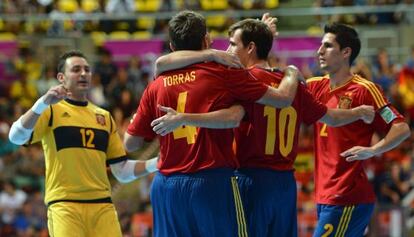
(79, 140)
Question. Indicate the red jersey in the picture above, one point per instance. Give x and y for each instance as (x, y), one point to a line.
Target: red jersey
(199, 88)
(269, 136)
(338, 182)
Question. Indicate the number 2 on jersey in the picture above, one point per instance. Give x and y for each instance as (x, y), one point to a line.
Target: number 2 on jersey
(188, 132)
(324, 130)
(329, 229)
(287, 117)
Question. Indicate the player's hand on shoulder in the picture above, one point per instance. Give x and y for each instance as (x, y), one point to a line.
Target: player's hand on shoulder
(292, 70)
(227, 59)
(168, 122)
(358, 153)
(367, 113)
(56, 94)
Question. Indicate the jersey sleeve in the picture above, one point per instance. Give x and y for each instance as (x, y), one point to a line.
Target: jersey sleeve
(310, 85)
(313, 109)
(386, 114)
(244, 86)
(115, 152)
(42, 125)
(141, 122)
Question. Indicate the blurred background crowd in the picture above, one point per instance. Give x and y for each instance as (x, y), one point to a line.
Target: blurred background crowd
(33, 33)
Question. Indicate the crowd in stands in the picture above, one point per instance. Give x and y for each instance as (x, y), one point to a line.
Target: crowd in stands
(387, 17)
(74, 17)
(117, 87)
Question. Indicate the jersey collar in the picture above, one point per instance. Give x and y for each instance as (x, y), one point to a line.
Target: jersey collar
(77, 103)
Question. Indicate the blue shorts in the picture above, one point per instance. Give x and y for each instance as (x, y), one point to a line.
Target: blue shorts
(343, 221)
(269, 198)
(204, 204)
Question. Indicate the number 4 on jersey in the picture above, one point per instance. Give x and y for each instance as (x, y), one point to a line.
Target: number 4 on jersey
(188, 132)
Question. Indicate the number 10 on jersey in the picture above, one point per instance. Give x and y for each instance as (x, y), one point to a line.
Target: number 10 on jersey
(287, 123)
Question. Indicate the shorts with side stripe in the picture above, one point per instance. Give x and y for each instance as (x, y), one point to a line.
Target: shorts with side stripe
(343, 221)
(269, 199)
(202, 204)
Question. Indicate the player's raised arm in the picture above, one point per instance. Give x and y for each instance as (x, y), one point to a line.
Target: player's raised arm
(271, 23)
(340, 117)
(183, 58)
(224, 118)
(22, 128)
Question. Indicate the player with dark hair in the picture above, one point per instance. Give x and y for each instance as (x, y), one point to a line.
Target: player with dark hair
(267, 140)
(345, 198)
(195, 192)
(79, 140)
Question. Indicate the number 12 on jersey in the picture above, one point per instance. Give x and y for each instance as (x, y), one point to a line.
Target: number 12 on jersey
(188, 132)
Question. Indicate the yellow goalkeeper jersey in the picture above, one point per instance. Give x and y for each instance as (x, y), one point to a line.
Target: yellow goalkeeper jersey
(79, 140)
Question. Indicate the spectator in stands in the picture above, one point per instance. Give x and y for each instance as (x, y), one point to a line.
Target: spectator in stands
(57, 27)
(134, 68)
(140, 87)
(31, 218)
(406, 87)
(120, 120)
(25, 221)
(119, 8)
(11, 7)
(11, 199)
(383, 17)
(395, 184)
(22, 91)
(190, 4)
(120, 84)
(105, 68)
(28, 62)
(362, 68)
(47, 80)
(6, 147)
(127, 103)
(384, 70)
(97, 92)
(137, 75)
(30, 168)
(410, 61)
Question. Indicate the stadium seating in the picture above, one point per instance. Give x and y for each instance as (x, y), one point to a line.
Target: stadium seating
(68, 6)
(147, 5)
(89, 5)
(140, 35)
(7, 36)
(98, 37)
(119, 35)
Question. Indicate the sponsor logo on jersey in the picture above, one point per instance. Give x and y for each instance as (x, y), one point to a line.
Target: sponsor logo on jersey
(65, 115)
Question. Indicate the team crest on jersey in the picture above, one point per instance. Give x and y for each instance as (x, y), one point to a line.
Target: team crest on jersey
(100, 119)
(345, 102)
(274, 84)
